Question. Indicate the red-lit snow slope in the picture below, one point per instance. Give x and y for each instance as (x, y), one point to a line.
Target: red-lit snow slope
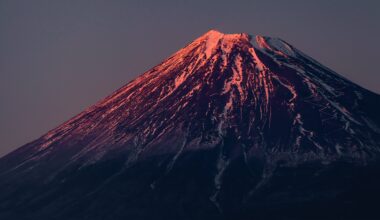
(225, 102)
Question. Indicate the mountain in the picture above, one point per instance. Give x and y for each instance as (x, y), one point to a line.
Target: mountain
(231, 126)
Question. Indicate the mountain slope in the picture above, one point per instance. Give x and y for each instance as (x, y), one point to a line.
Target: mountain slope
(215, 128)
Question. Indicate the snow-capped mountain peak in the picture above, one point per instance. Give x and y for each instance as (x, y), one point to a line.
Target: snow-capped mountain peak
(225, 107)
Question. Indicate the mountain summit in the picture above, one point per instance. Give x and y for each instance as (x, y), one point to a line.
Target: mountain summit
(232, 126)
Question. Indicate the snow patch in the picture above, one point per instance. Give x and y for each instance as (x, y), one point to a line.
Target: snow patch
(275, 45)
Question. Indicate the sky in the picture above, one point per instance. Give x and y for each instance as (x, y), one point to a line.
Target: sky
(59, 57)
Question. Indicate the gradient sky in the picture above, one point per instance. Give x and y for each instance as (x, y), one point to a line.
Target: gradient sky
(58, 57)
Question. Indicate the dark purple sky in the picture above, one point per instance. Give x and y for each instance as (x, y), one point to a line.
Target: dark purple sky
(58, 57)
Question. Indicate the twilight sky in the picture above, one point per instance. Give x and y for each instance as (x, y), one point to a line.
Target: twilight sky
(58, 57)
